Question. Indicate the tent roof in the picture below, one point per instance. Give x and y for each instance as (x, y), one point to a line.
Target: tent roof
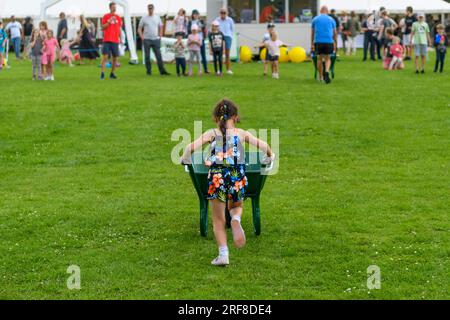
(96, 8)
(393, 6)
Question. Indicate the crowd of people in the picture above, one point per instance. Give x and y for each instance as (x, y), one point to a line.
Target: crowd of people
(390, 40)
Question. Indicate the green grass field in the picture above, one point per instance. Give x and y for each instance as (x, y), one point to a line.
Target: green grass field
(86, 179)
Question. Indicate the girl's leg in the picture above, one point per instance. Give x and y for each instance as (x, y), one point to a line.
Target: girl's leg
(216, 62)
(236, 210)
(191, 61)
(220, 233)
(39, 67)
(221, 62)
(199, 63)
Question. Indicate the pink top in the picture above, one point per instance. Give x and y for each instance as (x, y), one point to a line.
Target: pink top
(50, 46)
(65, 50)
(397, 50)
(194, 46)
(180, 24)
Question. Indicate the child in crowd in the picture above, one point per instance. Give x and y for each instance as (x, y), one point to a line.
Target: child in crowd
(181, 22)
(397, 51)
(66, 56)
(36, 46)
(440, 43)
(273, 49)
(267, 60)
(217, 44)
(194, 45)
(3, 40)
(49, 55)
(227, 179)
(420, 34)
(180, 58)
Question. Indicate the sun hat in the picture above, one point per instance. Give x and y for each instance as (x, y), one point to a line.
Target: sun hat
(194, 27)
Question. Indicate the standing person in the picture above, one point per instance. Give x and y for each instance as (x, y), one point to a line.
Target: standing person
(62, 30)
(324, 42)
(372, 29)
(15, 34)
(262, 45)
(181, 22)
(203, 31)
(194, 45)
(385, 23)
(87, 47)
(3, 40)
(226, 26)
(420, 37)
(151, 31)
(343, 31)
(353, 28)
(217, 43)
(180, 57)
(36, 46)
(227, 173)
(27, 32)
(409, 20)
(367, 35)
(111, 26)
(440, 44)
(273, 48)
(49, 55)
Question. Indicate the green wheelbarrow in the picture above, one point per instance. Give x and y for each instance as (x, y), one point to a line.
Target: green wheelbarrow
(333, 62)
(256, 175)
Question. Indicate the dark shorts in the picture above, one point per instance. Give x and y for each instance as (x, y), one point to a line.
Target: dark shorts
(324, 48)
(227, 183)
(273, 58)
(110, 48)
(268, 56)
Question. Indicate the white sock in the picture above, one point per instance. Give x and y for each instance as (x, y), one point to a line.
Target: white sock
(223, 251)
(237, 218)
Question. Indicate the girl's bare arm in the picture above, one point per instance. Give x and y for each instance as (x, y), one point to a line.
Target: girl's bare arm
(197, 144)
(261, 145)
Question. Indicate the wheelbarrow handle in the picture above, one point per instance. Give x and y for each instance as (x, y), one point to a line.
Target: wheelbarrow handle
(270, 168)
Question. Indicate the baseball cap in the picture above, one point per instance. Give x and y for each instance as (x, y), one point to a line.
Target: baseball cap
(195, 11)
(216, 23)
(421, 14)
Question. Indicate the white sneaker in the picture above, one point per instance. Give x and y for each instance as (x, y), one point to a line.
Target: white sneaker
(239, 239)
(221, 261)
(229, 72)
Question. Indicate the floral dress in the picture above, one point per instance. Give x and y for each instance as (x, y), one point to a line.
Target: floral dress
(226, 177)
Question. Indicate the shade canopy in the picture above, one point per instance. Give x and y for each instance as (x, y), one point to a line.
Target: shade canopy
(392, 6)
(96, 8)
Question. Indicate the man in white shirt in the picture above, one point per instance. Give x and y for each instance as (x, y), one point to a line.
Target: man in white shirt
(151, 30)
(16, 35)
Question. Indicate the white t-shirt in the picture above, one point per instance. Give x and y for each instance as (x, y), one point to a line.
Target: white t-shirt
(274, 47)
(150, 25)
(14, 28)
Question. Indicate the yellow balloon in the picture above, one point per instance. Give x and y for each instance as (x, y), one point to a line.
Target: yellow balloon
(284, 55)
(297, 54)
(246, 54)
(263, 54)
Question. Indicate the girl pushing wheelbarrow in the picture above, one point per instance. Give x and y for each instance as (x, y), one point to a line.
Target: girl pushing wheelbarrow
(227, 178)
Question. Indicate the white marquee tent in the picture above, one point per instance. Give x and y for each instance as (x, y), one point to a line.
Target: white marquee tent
(393, 6)
(96, 8)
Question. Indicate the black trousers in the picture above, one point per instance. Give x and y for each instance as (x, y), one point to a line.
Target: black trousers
(369, 44)
(154, 45)
(440, 59)
(218, 60)
(181, 65)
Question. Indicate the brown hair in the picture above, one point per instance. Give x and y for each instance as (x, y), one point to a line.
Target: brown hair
(43, 24)
(389, 31)
(440, 27)
(225, 110)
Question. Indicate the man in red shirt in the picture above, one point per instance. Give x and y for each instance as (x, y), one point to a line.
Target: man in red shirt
(111, 26)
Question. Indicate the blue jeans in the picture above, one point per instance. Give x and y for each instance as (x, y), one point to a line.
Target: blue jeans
(181, 66)
(203, 54)
(16, 43)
